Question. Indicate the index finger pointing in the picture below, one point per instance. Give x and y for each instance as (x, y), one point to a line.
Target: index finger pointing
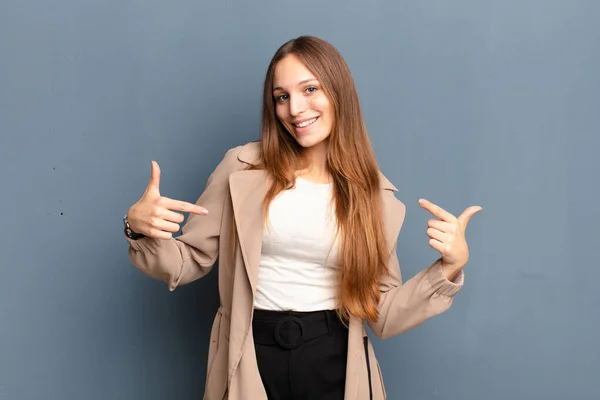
(184, 206)
(437, 211)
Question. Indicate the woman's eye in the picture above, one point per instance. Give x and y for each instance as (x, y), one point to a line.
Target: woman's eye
(281, 97)
(311, 89)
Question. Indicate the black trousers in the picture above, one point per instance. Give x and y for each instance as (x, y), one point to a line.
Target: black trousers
(301, 355)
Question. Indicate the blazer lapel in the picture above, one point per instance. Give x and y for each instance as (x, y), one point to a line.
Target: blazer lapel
(393, 212)
(248, 189)
(393, 217)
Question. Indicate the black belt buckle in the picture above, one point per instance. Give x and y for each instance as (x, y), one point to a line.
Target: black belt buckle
(278, 337)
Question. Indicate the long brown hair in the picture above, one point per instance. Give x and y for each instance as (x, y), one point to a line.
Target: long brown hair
(363, 253)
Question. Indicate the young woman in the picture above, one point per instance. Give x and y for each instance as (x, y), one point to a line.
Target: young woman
(305, 228)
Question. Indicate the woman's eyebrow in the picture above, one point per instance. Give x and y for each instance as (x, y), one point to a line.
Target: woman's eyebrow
(299, 83)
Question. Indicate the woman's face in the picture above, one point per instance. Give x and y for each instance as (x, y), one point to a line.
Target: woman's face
(301, 104)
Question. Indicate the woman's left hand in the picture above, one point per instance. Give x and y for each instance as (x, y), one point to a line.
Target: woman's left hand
(447, 235)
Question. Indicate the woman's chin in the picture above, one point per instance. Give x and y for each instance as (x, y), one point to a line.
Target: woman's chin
(309, 141)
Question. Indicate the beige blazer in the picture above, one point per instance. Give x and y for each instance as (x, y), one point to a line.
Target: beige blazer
(235, 194)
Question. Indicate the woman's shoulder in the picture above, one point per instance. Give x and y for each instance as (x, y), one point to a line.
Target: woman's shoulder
(249, 153)
(240, 157)
(245, 153)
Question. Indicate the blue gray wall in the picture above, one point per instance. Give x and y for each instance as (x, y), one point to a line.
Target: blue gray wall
(468, 102)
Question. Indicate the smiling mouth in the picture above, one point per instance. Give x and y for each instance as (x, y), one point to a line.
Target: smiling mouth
(306, 123)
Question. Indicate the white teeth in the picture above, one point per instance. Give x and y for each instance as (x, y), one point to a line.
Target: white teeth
(305, 123)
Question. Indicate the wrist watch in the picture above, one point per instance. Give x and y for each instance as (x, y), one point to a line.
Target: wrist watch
(129, 233)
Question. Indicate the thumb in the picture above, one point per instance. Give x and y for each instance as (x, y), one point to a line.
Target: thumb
(153, 185)
(465, 217)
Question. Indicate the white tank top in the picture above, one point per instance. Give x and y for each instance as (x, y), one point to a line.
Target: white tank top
(298, 264)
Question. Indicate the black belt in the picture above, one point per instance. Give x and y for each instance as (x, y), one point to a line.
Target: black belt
(291, 329)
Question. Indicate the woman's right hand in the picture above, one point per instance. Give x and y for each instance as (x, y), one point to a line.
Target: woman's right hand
(154, 216)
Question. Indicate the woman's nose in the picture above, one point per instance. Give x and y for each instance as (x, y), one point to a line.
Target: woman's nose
(297, 105)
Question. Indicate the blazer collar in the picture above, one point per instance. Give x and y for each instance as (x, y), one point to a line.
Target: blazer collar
(250, 154)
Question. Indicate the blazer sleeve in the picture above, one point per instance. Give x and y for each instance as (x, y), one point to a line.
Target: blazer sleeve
(404, 306)
(181, 260)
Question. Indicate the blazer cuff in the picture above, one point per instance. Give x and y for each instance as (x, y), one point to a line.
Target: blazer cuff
(441, 284)
(143, 244)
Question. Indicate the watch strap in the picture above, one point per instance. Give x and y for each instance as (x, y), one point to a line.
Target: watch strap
(129, 233)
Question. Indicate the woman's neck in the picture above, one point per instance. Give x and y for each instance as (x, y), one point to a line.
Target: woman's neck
(316, 164)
